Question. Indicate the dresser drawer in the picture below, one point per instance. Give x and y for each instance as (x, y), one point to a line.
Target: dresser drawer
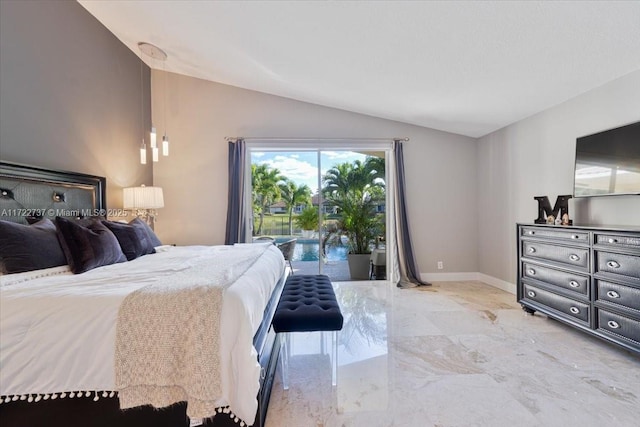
(575, 310)
(574, 257)
(625, 265)
(618, 241)
(558, 234)
(618, 294)
(619, 325)
(570, 281)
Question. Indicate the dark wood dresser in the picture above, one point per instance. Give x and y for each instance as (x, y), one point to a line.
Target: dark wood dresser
(585, 276)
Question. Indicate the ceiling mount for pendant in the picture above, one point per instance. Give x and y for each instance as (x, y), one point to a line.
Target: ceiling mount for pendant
(153, 51)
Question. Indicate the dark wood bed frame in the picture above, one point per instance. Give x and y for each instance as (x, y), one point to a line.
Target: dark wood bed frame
(17, 181)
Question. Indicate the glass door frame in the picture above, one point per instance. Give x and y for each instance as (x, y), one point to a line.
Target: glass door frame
(317, 145)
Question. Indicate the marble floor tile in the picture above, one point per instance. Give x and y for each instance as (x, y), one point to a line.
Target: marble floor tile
(453, 354)
(465, 322)
(411, 323)
(465, 400)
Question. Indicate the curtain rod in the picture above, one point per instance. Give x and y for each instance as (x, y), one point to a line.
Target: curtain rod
(271, 138)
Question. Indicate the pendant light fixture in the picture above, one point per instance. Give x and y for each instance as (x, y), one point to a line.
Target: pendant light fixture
(143, 146)
(155, 53)
(154, 144)
(165, 138)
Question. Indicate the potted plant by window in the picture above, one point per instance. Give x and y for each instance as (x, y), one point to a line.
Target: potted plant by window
(353, 188)
(360, 224)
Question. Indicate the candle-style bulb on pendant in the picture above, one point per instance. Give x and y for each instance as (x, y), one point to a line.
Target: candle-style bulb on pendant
(153, 137)
(143, 153)
(165, 145)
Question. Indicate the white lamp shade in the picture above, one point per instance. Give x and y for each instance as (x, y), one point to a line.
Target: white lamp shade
(143, 198)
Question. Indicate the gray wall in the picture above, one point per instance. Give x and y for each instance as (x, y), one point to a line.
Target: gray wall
(440, 167)
(70, 94)
(535, 157)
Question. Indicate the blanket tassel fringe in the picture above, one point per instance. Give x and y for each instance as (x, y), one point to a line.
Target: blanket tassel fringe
(34, 398)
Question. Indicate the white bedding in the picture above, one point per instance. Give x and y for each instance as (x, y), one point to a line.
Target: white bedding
(57, 330)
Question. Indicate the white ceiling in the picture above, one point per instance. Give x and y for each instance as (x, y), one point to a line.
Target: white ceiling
(463, 67)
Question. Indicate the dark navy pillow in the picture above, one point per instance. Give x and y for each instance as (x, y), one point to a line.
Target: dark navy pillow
(88, 247)
(134, 241)
(138, 223)
(29, 247)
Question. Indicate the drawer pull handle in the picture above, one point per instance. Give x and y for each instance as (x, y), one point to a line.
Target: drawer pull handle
(574, 257)
(575, 236)
(531, 232)
(613, 294)
(613, 264)
(613, 324)
(532, 250)
(574, 284)
(531, 294)
(574, 310)
(613, 241)
(531, 272)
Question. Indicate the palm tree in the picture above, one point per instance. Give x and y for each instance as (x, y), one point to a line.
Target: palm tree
(265, 189)
(350, 187)
(376, 168)
(255, 199)
(292, 195)
(376, 171)
(336, 181)
(348, 180)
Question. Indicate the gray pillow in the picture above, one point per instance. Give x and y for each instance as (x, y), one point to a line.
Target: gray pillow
(29, 247)
(134, 241)
(88, 247)
(138, 223)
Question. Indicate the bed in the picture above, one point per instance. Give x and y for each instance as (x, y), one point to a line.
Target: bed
(185, 329)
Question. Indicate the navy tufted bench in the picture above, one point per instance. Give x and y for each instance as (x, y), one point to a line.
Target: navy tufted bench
(307, 304)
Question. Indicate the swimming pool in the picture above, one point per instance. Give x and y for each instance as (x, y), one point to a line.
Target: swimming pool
(309, 249)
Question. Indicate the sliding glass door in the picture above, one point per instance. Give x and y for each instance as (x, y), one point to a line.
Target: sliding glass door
(325, 208)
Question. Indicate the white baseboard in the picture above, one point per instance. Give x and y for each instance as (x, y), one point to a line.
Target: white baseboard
(448, 277)
(456, 277)
(497, 283)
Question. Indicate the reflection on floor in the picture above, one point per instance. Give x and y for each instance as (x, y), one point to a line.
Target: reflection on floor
(454, 354)
(336, 270)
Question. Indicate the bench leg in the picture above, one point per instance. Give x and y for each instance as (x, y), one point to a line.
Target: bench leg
(334, 359)
(285, 352)
(284, 359)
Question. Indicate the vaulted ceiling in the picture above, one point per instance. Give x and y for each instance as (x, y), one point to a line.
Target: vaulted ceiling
(467, 67)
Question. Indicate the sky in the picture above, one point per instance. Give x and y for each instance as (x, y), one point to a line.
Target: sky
(302, 166)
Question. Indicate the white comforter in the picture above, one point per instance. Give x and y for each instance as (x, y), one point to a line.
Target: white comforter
(57, 332)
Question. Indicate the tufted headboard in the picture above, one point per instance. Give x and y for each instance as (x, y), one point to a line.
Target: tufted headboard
(29, 191)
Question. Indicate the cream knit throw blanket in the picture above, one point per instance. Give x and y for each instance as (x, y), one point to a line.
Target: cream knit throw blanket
(167, 336)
